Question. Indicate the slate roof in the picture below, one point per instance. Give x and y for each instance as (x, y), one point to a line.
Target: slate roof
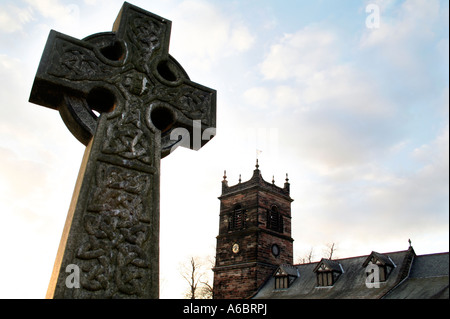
(428, 279)
(412, 276)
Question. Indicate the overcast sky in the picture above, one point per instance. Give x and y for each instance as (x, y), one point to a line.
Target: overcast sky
(353, 108)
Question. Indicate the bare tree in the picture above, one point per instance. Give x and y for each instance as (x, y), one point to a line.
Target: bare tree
(206, 291)
(331, 249)
(195, 275)
(191, 275)
(308, 258)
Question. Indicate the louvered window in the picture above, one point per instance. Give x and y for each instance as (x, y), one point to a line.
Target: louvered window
(274, 220)
(237, 219)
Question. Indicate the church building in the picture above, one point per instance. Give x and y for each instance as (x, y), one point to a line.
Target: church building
(254, 256)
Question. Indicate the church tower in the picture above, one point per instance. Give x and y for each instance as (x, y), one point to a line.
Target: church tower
(254, 235)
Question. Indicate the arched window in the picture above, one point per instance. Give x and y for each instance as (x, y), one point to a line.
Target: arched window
(274, 219)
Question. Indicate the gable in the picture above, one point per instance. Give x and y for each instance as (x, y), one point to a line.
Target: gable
(326, 265)
(379, 259)
(286, 270)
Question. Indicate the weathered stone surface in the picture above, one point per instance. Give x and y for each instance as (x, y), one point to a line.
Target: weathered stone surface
(121, 94)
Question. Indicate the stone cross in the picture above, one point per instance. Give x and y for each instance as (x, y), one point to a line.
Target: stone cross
(122, 95)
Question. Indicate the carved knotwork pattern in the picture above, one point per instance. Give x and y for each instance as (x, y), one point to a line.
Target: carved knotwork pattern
(126, 137)
(112, 257)
(146, 36)
(192, 102)
(77, 63)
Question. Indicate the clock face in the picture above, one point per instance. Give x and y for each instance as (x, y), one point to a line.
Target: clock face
(275, 250)
(235, 248)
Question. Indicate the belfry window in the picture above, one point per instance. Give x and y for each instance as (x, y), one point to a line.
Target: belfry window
(274, 220)
(237, 219)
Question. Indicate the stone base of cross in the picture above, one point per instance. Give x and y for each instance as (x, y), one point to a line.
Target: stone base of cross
(122, 95)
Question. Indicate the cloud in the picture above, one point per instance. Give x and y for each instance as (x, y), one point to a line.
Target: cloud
(412, 17)
(346, 88)
(333, 111)
(30, 17)
(435, 155)
(258, 96)
(54, 9)
(13, 18)
(241, 39)
(300, 55)
(17, 174)
(405, 34)
(379, 203)
(205, 35)
(308, 61)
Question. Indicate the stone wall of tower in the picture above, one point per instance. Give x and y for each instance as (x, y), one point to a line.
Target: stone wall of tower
(268, 237)
(240, 281)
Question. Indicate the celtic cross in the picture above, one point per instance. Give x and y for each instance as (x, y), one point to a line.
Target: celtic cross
(122, 95)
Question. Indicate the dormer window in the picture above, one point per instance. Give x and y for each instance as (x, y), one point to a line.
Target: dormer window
(327, 272)
(285, 276)
(281, 282)
(274, 220)
(237, 219)
(384, 265)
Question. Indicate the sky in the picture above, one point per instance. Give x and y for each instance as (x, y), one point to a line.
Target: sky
(350, 98)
